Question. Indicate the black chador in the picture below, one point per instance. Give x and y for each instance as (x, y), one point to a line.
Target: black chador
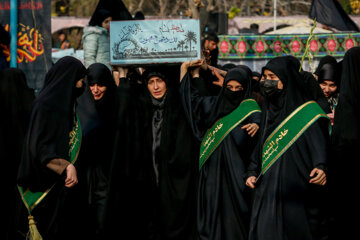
(153, 181)
(286, 205)
(312, 87)
(16, 99)
(345, 143)
(96, 118)
(46, 150)
(222, 204)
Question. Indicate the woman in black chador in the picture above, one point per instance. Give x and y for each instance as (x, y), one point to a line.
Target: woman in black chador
(289, 198)
(323, 61)
(152, 191)
(16, 99)
(222, 204)
(45, 158)
(346, 142)
(95, 109)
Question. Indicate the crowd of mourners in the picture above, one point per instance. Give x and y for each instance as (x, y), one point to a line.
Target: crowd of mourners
(134, 152)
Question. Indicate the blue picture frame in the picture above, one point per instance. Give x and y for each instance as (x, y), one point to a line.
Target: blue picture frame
(145, 42)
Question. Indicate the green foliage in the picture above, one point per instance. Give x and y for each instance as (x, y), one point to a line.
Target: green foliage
(233, 12)
(78, 8)
(346, 6)
(307, 48)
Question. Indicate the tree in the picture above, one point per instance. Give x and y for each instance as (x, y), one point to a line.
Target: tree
(194, 8)
(203, 9)
(182, 43)
(190, 37)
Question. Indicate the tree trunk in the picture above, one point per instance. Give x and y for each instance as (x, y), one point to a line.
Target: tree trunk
(140, 6)
(176, 7)
(195, 13)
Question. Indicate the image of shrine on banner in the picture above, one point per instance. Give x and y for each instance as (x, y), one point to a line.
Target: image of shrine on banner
(154, 41)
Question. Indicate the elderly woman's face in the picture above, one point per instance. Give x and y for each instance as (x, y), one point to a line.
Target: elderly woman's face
(157, 87)
(234, 86)
(98, 91)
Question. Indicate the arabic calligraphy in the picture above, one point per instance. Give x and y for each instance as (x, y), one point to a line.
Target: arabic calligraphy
(166, 29)
(29, 44)
(156, 40)
(210, 138)
(73, 139)
(273, 146)
(130, 30)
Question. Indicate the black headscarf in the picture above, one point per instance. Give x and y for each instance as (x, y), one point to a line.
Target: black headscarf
(314, 92)
(327, 72)
(331, 72)
(98, 73)
(139, 16)
(94, 113)
(117, 9)
(59, 91)
(51, 121)
(347, 117)
(255, 83)
(293, 94)
(99, 16)
(325, 60)
(228, 66)
(257, 74)
(155, 71)
(229, 100)
(168, 74)
(211, 108)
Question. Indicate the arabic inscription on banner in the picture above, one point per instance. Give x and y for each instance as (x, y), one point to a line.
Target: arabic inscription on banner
(29, 44)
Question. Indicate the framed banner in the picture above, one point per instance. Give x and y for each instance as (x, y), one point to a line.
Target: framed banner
(154, 41)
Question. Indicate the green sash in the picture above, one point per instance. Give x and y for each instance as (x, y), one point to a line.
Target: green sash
(288, 132)
(32, 199)
(216, 134)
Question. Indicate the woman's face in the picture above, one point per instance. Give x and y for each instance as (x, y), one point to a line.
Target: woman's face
(272, 76)
(157, 87)
(98, 91)
(234, 86)
(328, 87)
(106, 23)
